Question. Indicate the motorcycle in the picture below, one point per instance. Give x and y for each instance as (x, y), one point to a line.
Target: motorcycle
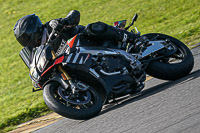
(81, 78)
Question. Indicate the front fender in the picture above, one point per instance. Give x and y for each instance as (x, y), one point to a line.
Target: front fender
(103, 90)
(57, 78)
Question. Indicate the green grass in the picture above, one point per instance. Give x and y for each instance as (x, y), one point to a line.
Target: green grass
(178, 18)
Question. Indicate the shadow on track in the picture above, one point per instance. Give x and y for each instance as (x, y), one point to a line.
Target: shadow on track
(149, 92)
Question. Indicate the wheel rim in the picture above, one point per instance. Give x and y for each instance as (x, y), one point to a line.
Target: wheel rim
(79, 100)
(83, 97)
(177, 57)
(175, 54)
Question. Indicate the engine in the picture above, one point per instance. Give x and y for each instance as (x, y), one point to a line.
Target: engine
(115, 65)
(110, 64)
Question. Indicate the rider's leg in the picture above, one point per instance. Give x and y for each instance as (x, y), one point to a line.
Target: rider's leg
(100, 30)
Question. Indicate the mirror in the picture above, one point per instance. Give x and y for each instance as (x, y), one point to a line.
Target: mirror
(135, 18)
(120, 24)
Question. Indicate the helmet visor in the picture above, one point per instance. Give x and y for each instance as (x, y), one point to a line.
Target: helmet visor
(32, 40)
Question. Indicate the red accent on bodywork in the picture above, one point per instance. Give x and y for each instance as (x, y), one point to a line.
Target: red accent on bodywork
(39, 85)
(87, 57)
(71, 41)
(58, 61)
(47, 70)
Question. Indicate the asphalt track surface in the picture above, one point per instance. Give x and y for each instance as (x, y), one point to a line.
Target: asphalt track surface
(162, 107)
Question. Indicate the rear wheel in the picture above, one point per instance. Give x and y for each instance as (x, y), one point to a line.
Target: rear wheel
(79, 105)
(178, 64)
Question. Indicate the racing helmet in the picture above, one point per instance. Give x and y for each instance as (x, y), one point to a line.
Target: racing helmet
(28, 30)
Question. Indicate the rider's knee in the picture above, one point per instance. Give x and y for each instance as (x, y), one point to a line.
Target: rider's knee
(97, 28)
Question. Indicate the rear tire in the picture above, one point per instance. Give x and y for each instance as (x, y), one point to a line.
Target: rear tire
(167, 71)
(58, 105)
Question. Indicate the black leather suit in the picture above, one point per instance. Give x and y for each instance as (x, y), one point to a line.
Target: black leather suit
(97, 30)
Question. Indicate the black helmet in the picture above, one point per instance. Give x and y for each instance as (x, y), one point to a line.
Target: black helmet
(28, 30)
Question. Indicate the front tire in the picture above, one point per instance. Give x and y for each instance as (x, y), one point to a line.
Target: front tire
(74, 111)
(171, 71)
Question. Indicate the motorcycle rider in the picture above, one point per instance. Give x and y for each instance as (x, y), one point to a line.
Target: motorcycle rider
(30, 32)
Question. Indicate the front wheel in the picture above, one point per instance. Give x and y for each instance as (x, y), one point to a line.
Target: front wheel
(174, 66)
(80, 105)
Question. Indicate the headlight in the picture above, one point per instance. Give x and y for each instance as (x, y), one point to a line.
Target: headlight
(35, 84)
(42, 63)
(34, 74)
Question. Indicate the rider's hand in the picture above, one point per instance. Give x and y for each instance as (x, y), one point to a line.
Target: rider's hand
(56, 25)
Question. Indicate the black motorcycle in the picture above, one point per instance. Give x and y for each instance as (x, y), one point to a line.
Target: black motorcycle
(79, 79)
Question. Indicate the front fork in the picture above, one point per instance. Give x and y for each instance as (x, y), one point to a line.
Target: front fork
(64, 74)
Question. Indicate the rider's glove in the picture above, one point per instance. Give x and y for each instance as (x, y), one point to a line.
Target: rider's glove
(56, 25)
